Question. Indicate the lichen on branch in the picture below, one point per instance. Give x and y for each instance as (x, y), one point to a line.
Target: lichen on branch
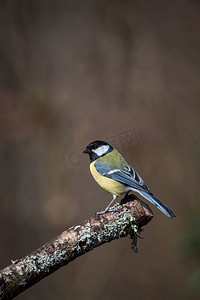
(72, 243)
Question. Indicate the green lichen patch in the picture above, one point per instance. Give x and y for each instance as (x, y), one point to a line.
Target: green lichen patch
(128, 221)
(123, 225)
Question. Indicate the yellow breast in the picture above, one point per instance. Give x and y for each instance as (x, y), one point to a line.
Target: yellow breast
(112, 186)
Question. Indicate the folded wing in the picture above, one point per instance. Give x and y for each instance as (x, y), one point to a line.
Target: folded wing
(127, 176)
(130, 177)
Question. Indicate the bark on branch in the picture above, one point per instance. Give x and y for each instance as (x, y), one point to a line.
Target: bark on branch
(70, 244)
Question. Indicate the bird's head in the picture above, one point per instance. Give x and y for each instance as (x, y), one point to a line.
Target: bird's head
(97, 149)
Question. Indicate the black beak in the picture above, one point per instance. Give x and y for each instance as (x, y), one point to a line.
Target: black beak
(86, 151)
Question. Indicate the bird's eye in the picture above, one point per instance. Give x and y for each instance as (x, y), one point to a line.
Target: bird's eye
(94, 147)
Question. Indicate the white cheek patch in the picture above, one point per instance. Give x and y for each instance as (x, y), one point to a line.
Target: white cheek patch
(101, 150)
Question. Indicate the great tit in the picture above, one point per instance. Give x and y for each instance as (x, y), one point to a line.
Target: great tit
(116, 176)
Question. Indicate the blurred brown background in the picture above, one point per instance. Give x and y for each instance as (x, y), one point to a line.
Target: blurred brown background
(123, 71)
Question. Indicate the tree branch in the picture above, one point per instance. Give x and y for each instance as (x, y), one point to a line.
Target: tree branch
(74, 242)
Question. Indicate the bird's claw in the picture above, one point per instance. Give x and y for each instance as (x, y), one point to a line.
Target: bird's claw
(106, 210)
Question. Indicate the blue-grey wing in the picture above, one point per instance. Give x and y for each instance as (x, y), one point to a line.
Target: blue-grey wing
(127, 176)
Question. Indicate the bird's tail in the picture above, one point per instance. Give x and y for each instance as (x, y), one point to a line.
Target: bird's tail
(157, 203)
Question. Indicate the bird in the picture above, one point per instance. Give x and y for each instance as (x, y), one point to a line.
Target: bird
(116, 176)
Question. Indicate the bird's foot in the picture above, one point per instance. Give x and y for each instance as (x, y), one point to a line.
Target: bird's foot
(106, 210)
